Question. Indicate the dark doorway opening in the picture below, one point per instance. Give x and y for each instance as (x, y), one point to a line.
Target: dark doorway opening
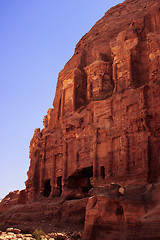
(80, 180)
(59, 185)
(103, 172)
(47, 188)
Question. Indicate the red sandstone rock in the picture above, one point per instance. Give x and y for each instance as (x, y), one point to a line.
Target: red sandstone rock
(105, 123)
(135, 215)
(103, 133)
(9, 200)
(22, 198)
(13, 230)
(57, 215)
(13, 198)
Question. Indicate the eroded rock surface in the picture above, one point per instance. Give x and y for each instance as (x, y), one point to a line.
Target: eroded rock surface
(9, 200)
(13, 198)
(135, 214)
(47, 215)
(105, 124)
(102, 136)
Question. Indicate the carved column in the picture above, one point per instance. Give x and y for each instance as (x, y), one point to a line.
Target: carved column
(110, 163)
(100, 84)
(53, 176)
(127, 149)
(115, 75)
(130, 78)
(41, 172)
(89, 90)
(63, 102)
(65, 161)
(143, 107)
(74, 104)
(95, 161)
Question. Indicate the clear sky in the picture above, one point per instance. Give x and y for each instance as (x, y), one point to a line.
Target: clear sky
(37, 38)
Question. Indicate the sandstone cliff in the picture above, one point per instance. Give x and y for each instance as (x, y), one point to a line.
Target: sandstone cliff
(105, 123)
(102, 136)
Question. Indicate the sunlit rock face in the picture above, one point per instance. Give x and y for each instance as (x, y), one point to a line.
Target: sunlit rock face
(106, 108)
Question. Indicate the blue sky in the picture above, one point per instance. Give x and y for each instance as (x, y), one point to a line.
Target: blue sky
(37, 39)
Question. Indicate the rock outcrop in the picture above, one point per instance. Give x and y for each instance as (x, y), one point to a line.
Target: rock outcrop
(102, 137)
(135, 214)
(12, 199)
(9, 200)
(47, 215)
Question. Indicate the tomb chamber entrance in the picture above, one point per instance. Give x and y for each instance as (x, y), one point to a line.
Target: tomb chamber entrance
(46, 188)
(80, 180)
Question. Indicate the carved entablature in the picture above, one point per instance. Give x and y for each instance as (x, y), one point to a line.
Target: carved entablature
(67, 92)
(73, 91)
(99, 81)
(122, 48)
(153, 40)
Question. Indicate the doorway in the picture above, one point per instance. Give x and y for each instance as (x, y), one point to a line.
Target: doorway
(46, 188)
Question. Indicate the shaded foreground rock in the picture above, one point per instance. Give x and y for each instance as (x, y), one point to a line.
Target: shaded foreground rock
(47, 215)
(106, 214)
(9, 200)
(133, 215)
(13, 198)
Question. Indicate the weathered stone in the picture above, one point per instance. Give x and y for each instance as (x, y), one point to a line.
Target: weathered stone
(124, 217)
(28, 235)
(22, 198)
(52, 235)
(13, 230)
(9, 230)
(102, 137)
(19, 236)
(121, 190)
(16, 230)
(104, 126)
(9, 200)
